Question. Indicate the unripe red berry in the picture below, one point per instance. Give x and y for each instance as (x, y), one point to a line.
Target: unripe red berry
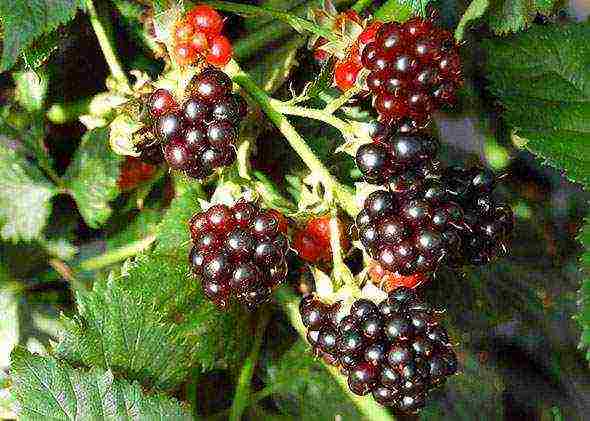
(205, 19)
(220, 51)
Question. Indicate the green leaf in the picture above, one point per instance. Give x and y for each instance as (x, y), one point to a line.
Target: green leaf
(25, 196)
(541, 78)
(25, 20)
(506, 16)
(92, 177)
(153, 314)
(174, 234)
(38, 54)
(321, 81)
(303, 389)
(476, 10)
(401, 10)
(583, 316)
(49, 389)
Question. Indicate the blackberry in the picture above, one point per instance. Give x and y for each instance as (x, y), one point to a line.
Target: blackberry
(198, 136)
(410, 234)
(394, 156)
(414, 70)
(488, 224)
(407, 354)
(237, 259)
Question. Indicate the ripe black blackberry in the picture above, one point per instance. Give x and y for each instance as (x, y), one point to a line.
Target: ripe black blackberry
(239, 252)
(198, 135)
(488, 224)
(411, 232)
(397, 351)
(414, 70)
(396, 157)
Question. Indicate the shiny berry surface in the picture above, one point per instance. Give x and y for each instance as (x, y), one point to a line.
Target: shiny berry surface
(205, 19)
(414, 68)
(220, 51)
(200, 135)
(228, 253)
(161, 102)
(395, 351)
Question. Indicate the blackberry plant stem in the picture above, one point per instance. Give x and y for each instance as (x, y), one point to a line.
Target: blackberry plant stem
(108, 50)
(242, 395)
(341, 193)
(370, 409)
(347, 130)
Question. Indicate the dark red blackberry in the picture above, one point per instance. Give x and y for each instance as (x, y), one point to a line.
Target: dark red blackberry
(408, 233)
(414, 70)
(405, 355)
(161, 102)
(199, 136)
(236, 258)
(488, 225)
(400, 159)
(149, 148)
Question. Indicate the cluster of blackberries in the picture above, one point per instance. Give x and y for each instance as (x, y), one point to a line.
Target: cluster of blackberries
(395, 350)
(427, 215)
(411, 234)
(415, 69)
(239, 252)
(488, 225)
(199, 135)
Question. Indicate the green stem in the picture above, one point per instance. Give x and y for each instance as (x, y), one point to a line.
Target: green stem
(365, 404)
(320, 115)
(242, 395)
(342, 126)
(341, 273)
(108, 51)
(117, 255)
(332, 106)
(341, 193)
(298, 23)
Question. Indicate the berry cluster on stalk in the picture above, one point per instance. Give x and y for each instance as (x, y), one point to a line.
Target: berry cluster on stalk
(198, 35)
(488, 224)
(239, 252)
(427, 215)
(415, 69)
(199, 135)
(397, 350)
